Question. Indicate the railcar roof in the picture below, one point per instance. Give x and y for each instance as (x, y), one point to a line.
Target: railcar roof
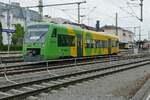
(103, 34)
(76, 28)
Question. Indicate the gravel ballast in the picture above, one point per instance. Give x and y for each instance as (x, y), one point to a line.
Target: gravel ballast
(119, 86)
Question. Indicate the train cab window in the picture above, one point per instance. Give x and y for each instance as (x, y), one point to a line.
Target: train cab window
(54, 33)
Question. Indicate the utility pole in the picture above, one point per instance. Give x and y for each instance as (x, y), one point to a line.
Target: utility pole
(97, 25)
(41, 8)
(134, 35)
(27, 18)
(141, 5)
(141, 19)
(139, 33)
(78, 13)
(8, 25)
(134, 30)
(78, 3)
(148, 35)
(134, 42)
(139, 39)
(117, 24)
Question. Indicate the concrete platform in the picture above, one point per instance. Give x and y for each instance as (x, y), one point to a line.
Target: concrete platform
(143, 93)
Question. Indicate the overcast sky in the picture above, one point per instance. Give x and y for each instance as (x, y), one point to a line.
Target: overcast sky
(103, 10)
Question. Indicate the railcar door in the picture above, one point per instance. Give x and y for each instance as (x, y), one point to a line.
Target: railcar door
(79, 45)
(109, 46)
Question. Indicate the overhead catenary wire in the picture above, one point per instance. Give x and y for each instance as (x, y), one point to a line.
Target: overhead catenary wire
(131, 9)
(59, 4)
(89, 13)
(51, 5)
(123, 9)
(67, 14)
(71, 9)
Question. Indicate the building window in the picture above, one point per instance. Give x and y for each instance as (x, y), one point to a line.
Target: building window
(124, 34)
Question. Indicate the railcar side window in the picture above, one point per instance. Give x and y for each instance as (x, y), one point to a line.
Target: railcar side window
(54, 33)
(88, 43)
(93, 44)
(66, 40)
(96, 44)
(104, 44)
(117, 43)
(113, 43)
(100, 44)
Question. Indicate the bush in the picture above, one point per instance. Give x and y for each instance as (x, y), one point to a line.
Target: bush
(12, 48)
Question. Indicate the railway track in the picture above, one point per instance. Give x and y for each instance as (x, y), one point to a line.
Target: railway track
(16, 57)
(22, 90)
(58, 71)
(54, 64)
(11, 59)
(10, 52)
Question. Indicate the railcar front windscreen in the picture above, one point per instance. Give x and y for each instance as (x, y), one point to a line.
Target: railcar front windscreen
(36, 33)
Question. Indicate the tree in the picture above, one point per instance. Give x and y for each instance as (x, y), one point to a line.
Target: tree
(1, 37)
(17, 37)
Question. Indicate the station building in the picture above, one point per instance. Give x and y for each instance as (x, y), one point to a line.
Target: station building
(126, 37)
(17, 15)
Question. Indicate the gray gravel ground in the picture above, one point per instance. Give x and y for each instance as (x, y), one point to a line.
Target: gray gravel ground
(119, 86)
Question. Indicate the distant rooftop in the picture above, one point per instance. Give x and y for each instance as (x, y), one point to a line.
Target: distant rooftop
(66, 21)
(114, 28)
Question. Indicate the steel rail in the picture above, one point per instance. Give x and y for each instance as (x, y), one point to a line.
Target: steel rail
(113, 69)
(29, 65)
(43, 68)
